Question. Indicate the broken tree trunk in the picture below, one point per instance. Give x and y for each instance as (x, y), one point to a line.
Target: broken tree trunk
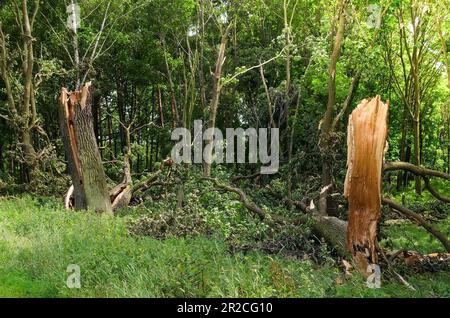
(83, 156)
(366, 140)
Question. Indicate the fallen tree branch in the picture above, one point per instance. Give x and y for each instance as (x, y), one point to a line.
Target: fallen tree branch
(418, 262)
(421, 171)
(311, 209)
(417, 218)
(332, 229)
(299, 204)
(252, 207)
(433, 191)
(144, 185)
(241, 177)
(392, 270)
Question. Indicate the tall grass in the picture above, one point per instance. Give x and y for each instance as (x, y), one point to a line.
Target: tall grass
(39, 239)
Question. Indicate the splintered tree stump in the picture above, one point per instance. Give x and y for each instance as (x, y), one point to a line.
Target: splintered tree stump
(84, 162)
(366, 141)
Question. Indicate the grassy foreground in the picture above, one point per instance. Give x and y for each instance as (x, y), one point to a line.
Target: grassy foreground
(39, 239)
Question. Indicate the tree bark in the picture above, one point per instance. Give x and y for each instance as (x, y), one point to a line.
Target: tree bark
(400, 177)
(84, 161)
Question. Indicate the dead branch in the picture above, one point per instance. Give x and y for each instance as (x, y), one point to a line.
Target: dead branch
(298, 204)
(424, 173)
(68, 198)
(392, 270)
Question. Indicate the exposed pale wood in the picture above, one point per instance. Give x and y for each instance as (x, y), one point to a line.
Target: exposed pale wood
(68, 204)
(66, 121)
(366, 140)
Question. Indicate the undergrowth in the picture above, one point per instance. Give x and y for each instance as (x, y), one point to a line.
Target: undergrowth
(39, 239)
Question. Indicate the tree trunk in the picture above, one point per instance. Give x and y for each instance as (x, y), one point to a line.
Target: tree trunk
(324, 141)
(215, 97)
(23, 116)
(333, 231)
(84, 161)
(400, 177)
(366, 140)
(416, 128)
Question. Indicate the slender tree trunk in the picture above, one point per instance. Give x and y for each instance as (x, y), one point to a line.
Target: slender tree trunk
(201, 63)
(444, 50)
(288, 42)
(2, 166)
(23, 117)
(326, 124)
(416, 130)
(161, 113)
(215, 97)
(402, 147)
(174, 106)
(121, 109)
(417, 117)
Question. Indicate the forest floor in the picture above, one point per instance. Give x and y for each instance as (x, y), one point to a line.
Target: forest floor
(39, 239)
